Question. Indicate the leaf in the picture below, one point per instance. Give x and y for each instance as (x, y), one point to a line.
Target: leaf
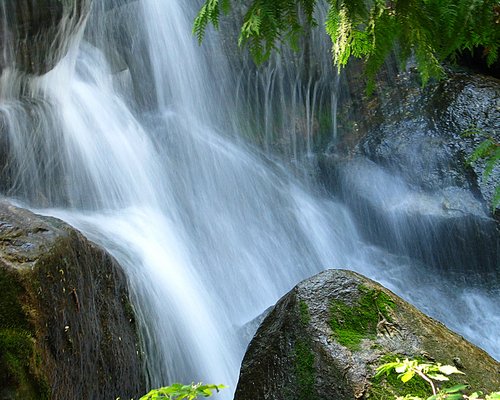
(481, 151)
(449, 369)
(455, 389)
(454, 396)
(407, 376)
(401, 368)
(387, 368)
(178, 391)
(438, 377)
(491, 162)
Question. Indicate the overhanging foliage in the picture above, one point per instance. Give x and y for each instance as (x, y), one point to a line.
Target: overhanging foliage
(432, 30)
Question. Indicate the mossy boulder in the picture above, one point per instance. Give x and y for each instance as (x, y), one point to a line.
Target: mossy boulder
(326, 337)
(66, 324)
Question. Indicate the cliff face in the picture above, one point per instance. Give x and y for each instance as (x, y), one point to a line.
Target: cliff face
(66, 325)
(326, 337)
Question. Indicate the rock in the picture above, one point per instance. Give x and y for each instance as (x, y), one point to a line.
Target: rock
(469, 103)
(325, 338)
(36, 34)
(403, 171)
(447, 229)
(66, 324)
(417, 132)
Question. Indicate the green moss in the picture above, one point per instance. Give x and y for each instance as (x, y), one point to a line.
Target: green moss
(18, 357)
(305, 315)
(304, 370)
(11, 312)
(352, 323)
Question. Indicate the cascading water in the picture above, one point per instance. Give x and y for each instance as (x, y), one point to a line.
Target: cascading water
(131, 138)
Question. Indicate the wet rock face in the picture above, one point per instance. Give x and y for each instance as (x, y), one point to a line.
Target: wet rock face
(404, 171)
(469, 103)
(325, 338)
(418, 133)
(66, 328)
(426, 143)
(35, 33)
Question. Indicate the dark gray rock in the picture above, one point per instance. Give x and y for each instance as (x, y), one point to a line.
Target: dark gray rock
(67, 327)
(418, 133)
(35, 33)
(311, 347)
(465, 103)
(403, 170)
(447, 229)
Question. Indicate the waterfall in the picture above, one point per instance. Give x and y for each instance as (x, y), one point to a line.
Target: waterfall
(136, 138)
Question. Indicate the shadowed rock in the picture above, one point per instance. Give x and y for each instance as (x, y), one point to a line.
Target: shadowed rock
(66, 324)
(35, 34)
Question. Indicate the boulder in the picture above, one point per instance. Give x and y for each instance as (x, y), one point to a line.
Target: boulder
(36, 34)
(326, 337)
(67, 327)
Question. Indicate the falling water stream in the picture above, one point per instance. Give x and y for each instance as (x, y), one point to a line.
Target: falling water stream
(133, 139)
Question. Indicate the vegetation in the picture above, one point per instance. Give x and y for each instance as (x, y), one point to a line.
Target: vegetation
(352, 323)
(388, 386)
(432, 30)
(20, 362)
(304, 369)
(431, 373)
(178, 391)
(488, 151)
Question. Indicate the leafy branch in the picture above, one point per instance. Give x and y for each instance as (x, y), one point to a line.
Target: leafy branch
(431, 373)
(432, 30)
(178, 391)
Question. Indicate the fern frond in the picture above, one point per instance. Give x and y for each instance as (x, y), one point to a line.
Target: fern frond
(209, 12)
(433, 30)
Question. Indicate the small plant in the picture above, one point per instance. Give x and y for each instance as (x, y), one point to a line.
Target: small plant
(431, 373)
(178, 391)
(489, 151)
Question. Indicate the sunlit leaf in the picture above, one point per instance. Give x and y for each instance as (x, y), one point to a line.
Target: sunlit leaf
(407, 376)
(401, 368)
(449, 369)
(438, 377)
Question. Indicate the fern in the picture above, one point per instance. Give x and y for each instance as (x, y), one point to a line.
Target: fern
(433, 30)
(209, 12)
(488, 151)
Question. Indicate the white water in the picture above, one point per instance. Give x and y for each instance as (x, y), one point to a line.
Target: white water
(209, 233)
